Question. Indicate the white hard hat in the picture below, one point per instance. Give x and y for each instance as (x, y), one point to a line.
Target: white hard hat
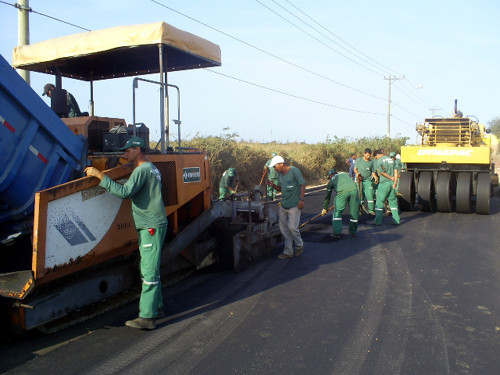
(276, 160)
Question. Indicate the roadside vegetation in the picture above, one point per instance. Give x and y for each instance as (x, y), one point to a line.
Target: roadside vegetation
(313, 160)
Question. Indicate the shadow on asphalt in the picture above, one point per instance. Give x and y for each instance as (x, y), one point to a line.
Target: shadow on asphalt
(208, 289)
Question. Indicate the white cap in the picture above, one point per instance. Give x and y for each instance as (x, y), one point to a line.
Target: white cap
(398, 156)
(276, 160)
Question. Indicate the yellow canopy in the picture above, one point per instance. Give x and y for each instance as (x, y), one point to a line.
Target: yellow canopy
(118, 52)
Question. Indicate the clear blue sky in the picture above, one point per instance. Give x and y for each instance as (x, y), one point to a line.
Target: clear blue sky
(451, 48)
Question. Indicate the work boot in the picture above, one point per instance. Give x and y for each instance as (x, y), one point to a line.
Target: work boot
(298, 250)
(284, 256)
(141, 323)
(336, 236)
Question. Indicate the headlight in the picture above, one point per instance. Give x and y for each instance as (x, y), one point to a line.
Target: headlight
(474, 126)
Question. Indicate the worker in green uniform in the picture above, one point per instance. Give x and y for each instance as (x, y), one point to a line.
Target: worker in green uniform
(227, 184)
(293, 189)
(72, 104)
(272, 176)
(401, 164)
(144, 190)
(366, 176)
(397, 165)
(388, 180)
(375, 157)
(347, 192)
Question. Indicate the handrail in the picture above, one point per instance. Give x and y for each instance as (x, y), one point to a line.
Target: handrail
(135, 85)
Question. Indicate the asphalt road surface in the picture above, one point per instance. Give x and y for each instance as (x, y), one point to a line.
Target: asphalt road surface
(419, 298)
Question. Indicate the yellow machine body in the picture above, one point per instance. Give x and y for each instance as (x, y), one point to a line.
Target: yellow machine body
(451, 168)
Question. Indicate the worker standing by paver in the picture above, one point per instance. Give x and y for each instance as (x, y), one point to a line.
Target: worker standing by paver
(227, 184)
(387, 189)
(293, 189)
(347, 192)
(144, 190)
(272, 175)
(365, 174)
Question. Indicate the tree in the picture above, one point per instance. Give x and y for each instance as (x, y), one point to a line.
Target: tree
(495, 126)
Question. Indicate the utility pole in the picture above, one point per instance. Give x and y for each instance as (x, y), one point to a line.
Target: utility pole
(23, 31)
(390, 79)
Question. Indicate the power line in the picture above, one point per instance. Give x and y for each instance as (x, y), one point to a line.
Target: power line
(404, 122)
(45, 15)
(343, 41)
(292, 95)
(59, 20)
(429, 102)
(411, 93)
(351, 46)
(225, 75)
(268, 53)
(305, 32)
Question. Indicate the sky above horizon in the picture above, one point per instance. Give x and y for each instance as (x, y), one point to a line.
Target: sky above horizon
(296, 71)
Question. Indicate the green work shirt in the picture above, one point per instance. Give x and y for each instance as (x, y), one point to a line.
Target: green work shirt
(341, 183)
(144, 190)
(227, 181)
(387, 165)
(375, 165)
(398, 165)
(365, 168)
(73, 108)
(272, 174)
(290, 187)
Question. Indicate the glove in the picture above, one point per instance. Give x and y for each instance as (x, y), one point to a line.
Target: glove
(323, 212)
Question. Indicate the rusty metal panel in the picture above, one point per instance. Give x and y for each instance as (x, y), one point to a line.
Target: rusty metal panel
(168, 181)
(16, 284)
(78, 225)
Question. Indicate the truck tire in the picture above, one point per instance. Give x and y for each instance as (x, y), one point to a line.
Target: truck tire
(426, 199)
(407, 191)
(483, 193)
(464, 192)
(444, 192)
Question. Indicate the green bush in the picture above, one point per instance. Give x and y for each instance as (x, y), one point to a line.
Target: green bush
(314, 161)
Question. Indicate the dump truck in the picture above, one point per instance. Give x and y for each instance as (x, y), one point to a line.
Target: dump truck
(65, 243)
(451, 169)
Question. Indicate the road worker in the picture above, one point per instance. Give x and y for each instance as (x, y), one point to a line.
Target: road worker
(271, 175)
(143, 187)
(366, 177)
(397, 165)
(227, 184)
(293, 189)
(351, 163)
(388, 180)
(72, 104)
(347, 192)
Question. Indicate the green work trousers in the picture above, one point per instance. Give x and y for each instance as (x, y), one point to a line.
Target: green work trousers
(150, 248)
(341, 200)
(368, 193)
(223, 193)
(386, 191)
